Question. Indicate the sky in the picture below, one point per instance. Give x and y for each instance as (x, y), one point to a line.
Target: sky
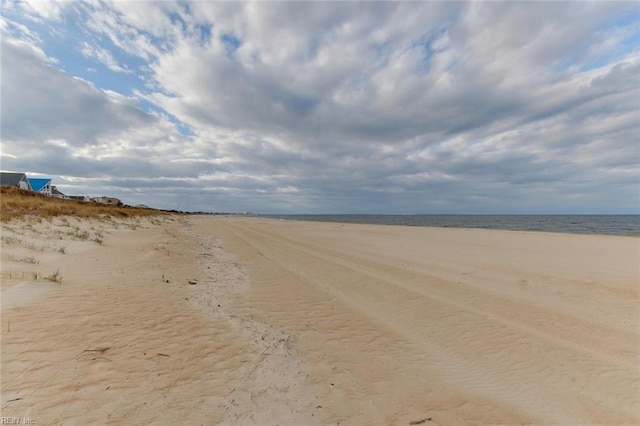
(327, 107)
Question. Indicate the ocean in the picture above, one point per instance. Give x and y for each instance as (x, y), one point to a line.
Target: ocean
(575, 224)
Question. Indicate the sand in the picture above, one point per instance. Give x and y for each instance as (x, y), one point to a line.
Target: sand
(216, 320)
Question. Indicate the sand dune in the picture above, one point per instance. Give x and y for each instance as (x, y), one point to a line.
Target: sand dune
(249, 321)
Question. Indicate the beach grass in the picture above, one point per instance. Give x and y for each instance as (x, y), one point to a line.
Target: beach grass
(16, 203)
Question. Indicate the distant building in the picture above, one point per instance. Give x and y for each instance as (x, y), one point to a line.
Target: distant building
(107, 200)
(83, 198)
(18, 180)
(57, 194)
(41, 185)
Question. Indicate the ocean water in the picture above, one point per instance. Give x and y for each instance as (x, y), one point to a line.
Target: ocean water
(575, 224)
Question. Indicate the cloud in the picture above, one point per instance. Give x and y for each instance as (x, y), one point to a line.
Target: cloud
(55, 123)
(38, 11)
(103, 56)
(344, 107)
(45, 100)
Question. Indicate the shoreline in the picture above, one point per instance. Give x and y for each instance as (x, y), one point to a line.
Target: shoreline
(266, 321)
(448, 221)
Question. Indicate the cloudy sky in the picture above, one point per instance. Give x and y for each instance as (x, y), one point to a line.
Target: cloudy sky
(327, 107)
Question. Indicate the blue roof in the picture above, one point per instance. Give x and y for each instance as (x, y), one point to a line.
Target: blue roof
(38, 183)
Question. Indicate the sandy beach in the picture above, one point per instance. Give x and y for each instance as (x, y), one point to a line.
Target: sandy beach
(219, 320)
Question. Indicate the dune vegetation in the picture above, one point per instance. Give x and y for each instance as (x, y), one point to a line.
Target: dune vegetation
(18, 203)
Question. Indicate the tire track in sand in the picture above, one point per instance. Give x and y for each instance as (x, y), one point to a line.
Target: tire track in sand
(465, 360)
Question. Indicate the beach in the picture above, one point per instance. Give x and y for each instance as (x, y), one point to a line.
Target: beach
(233, 320)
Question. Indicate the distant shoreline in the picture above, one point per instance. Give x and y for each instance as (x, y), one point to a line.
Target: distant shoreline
(624, 224)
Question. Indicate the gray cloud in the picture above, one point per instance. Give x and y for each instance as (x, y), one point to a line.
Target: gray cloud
(40, 100)
(343, 107)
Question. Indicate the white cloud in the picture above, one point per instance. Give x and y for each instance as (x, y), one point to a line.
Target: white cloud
(47, 101)
(396, 106)
(103, 56)
(37, 10)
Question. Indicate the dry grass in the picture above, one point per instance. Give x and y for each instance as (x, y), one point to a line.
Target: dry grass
(17, 203)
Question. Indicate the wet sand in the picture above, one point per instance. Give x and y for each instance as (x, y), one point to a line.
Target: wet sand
(206, 320)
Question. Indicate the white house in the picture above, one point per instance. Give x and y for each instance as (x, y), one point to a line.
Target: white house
(41, 185)
(58, 194)
(107, 200)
